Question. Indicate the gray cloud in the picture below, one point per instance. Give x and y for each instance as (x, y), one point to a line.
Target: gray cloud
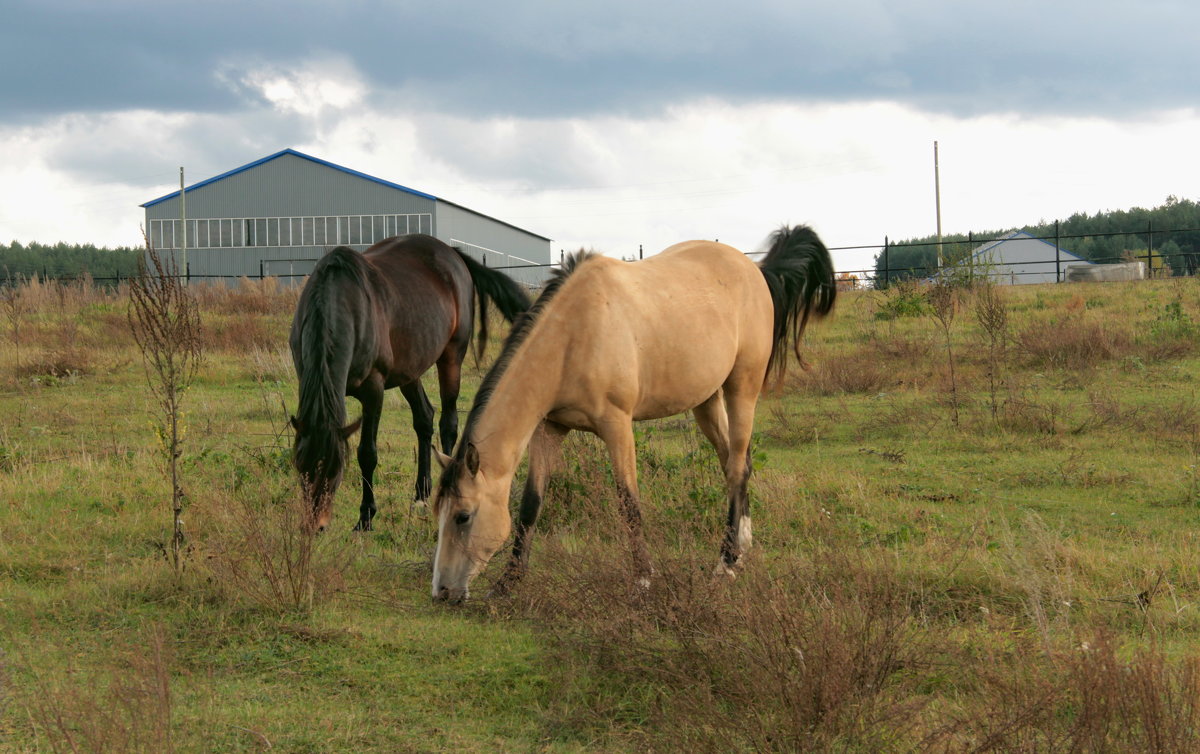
(544, 58)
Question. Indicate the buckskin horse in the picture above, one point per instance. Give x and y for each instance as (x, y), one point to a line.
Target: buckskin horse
(377, 320)
(698, 326)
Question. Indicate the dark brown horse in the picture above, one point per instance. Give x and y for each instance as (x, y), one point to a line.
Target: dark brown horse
(377, 320)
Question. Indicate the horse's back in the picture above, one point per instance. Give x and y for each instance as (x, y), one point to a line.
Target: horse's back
(427, 302)
(665, 333)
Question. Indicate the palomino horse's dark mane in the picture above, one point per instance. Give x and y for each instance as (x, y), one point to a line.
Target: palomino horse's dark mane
(798, 272)
(322, 409)
(519, 333)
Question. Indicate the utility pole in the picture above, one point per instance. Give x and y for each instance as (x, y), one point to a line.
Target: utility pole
(937, 194)
(183, 227)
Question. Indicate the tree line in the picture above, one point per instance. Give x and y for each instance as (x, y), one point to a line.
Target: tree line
(1168, 236)
(68, 261)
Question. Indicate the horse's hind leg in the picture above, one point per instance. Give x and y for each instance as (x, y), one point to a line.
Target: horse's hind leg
(370, 395)
(714, 423)
(544, 450)
(449, 369)
(422, 411)
(739, 405)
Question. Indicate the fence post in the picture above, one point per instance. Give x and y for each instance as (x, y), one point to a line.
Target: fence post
(1149, 249)
(1057, 257)
(887, 263)
(639, 251)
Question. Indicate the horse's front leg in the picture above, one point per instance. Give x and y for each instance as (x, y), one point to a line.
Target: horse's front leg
(617, 434)
(370, 395)
(544, 452)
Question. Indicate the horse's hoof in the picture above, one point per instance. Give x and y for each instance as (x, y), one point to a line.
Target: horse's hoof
(725, 571)
(360, 526)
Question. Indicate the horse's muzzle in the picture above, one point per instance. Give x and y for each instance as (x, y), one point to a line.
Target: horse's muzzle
(450, 596)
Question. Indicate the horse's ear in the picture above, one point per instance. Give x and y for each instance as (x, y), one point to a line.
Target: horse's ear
(351, 428)
(472, 459)
(442, 459)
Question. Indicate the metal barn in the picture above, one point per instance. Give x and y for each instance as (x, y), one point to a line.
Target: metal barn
(1019, 258)
(277, 216)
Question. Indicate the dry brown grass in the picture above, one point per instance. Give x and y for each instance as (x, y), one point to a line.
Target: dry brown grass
(262, 297)
(1081, 698)
(1074, 343)
(798, 654)
(127, 710)
(857, 371)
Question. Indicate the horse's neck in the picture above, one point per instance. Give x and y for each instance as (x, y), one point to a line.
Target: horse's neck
(521, 399)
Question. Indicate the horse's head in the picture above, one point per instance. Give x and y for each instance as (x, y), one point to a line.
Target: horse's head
(319, 455)
(473, 523)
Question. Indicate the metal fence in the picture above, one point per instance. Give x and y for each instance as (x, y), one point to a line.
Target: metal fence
(959, 256)
(953, 256)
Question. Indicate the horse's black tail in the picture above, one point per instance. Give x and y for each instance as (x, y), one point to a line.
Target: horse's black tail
(508, 296)
(799, 273)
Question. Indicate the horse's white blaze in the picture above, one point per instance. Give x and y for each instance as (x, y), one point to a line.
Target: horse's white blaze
(437, 556)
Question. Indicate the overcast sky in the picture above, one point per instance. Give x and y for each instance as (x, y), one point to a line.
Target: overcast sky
(609, 125)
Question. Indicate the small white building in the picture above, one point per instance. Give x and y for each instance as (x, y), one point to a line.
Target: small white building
(1019, 258)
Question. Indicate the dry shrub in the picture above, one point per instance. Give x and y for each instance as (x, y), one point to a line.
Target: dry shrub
(64, 363)
(795, 657)
(1086, 698)
(1072, 343)
(853, 372)
(1031, 416)
(903, 348)
(126, 710)
(781, 423)
(1172, 421)
(259, 553)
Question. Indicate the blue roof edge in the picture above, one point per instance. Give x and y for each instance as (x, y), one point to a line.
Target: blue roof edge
(277, 155)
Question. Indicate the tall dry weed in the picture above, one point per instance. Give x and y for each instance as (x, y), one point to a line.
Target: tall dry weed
(165, 322)
(991, 312)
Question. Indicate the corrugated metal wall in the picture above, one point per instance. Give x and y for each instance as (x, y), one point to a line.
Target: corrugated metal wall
(288, 186)
(521, 255)
(291, 186)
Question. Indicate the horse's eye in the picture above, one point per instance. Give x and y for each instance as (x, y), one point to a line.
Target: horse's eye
(462, 518)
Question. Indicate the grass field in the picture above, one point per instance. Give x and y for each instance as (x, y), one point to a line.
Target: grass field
(976, 521)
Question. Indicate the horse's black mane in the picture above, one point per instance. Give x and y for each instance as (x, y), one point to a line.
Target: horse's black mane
(519, 333)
